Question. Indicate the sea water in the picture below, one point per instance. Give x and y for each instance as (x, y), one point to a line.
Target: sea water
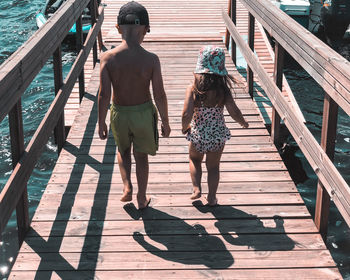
(17, 24)
(310, 98)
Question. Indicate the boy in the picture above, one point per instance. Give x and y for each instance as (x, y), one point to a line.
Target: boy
(129, 69)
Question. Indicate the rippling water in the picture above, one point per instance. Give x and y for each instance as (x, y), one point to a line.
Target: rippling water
(17, 24)
(310, 99)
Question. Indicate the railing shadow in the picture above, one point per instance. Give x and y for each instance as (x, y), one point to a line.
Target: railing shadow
(54, 261)
(193, 246)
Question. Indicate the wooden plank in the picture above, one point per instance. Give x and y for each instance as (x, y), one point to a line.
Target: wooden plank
(180, 188)
(108, 158)
(179, 167)
(101, 149)
(112, 212)
(75, 177)
(275, 274)
(173, 200)
(78, 228)
(176, 242)
(176, 260)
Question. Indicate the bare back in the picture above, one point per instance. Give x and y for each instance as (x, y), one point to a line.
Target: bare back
(130, 71)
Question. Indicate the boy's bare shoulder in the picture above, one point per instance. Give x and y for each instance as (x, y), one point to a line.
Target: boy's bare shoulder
(152, 56)
(107, 55)
(105, 59)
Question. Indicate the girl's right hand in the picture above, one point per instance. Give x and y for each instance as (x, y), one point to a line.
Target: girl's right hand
(187, 130)
(245, 125)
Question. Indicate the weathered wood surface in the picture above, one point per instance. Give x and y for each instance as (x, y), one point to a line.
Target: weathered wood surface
(327, 173)
(16, 184)
(261, 230)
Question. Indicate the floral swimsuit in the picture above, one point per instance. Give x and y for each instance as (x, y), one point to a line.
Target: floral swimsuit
(208, 130)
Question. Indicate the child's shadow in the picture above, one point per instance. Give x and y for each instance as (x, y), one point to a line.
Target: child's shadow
(255, 235)
(183, 243)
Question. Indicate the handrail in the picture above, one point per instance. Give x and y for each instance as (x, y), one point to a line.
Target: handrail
(327, 67)
(22, 67)
(18, 71)
(337, 86)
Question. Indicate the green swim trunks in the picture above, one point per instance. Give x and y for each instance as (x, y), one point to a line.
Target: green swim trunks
(135, 124)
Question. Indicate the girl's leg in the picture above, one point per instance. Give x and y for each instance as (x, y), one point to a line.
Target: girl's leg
(195, 171)
(213, 167)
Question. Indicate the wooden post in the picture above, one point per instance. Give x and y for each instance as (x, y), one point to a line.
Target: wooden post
(79, 43)
(17, 149)
(227, 34)
(99, 36)
(251, 34)
(93, 7)
(278, 77)
(233, 44)
(328, 137)
(59, 131)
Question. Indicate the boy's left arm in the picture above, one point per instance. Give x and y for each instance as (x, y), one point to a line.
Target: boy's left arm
(104, 98)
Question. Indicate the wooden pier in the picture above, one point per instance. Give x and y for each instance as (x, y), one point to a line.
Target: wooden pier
(261, 228)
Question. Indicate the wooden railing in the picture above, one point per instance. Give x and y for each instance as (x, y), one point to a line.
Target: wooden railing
(16, 74)
(327, 67)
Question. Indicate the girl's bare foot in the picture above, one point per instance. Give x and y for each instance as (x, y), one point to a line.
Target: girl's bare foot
(127, 196)
(144, 202)
(212, 201)
(196, 193)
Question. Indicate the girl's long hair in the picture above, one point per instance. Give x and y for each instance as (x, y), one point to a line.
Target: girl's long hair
(221, 85)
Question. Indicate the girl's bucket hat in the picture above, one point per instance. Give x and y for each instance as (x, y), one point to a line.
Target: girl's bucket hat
(211, 60)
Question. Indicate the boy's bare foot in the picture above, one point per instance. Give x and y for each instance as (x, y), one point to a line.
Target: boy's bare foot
(212, 201)
(127, 196)
(196, 193)
(143, 203)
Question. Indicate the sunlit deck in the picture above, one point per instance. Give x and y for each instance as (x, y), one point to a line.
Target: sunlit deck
(261, 228)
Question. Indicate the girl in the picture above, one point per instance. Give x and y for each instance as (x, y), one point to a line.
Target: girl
(203, 119)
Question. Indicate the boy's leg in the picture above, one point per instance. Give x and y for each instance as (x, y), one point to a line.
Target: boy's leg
(124, 161)
(213, 167)
(195, 171)
(141, 160)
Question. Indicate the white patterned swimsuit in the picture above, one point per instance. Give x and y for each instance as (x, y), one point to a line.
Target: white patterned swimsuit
(208, 129)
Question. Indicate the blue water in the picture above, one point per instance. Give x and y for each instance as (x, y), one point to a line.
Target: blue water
(310, 99)
(17, 24)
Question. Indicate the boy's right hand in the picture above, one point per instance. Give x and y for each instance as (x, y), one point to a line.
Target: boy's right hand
(165, 128)
(102, 131)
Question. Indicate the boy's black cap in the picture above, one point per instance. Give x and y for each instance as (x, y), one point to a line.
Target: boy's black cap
(133, 13)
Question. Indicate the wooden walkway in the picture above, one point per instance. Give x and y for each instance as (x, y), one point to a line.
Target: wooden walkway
(261, 230)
